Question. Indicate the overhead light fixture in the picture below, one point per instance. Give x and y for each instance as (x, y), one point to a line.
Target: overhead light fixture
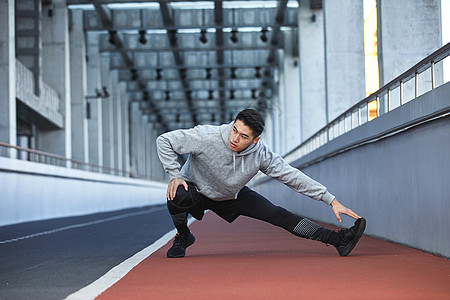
(211, 95)
(203, 38)
(232, 95)
(158, 74)
(263, 36)
(253, 93)
(146, 96)
(167, 95)
(213, 118)
(234, 37)
(178, 120)
(142, 38)
(183, 73)
(233, 73)
(189, 95)
(106, 92)
(257, 72)
(208, 73)
(112, 37)
(100, 93)
(134, 74)
(172, 36)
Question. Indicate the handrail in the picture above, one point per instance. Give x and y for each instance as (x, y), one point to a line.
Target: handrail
(322, 136)
(57, 160)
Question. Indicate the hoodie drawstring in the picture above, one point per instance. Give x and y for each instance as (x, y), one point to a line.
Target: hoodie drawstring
(234, 163)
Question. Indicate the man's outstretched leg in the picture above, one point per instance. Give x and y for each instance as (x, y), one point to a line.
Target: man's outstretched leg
(256, 206)
(344, 240)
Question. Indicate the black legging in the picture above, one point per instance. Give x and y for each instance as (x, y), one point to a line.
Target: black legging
(248, 203)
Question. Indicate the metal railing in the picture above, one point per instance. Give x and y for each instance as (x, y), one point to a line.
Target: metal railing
(21, 153)
(358, 114)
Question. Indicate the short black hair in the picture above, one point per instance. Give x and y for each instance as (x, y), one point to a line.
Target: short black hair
(253, 119)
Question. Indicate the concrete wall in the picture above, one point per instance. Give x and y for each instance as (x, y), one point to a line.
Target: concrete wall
(344, 55)
(416, 24)
(399, 183)
(288, 107)
(33, 191)
(312, 70)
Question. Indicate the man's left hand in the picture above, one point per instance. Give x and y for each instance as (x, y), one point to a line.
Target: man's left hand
(341, 209)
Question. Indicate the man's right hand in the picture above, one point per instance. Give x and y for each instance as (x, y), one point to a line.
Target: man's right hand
(173, 186)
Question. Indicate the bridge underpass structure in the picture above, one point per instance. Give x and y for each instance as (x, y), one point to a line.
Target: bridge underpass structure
(66, 184)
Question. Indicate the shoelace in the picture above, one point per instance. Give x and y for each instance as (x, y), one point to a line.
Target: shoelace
(180, 241)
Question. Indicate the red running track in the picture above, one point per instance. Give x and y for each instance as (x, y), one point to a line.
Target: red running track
(250, 259)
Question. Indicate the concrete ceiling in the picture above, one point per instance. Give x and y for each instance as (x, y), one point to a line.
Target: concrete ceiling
(193, 62)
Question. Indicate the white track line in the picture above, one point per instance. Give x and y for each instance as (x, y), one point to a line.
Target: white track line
(82, 225)
(118, 272)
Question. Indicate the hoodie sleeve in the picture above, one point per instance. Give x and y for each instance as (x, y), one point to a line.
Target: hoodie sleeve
(183, 141)
(274, 166)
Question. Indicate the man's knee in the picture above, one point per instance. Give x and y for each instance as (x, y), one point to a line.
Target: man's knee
(182, 201)
(186, 201)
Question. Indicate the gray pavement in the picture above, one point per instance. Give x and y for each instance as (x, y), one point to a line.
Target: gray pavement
(51, 259)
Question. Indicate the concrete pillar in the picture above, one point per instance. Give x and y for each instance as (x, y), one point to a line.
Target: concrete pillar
(95, 125)
(158, 170)
(154, 161)
(312, 70)
(125, 127)
(148, 126)
(141, 144)
(28, 29)
(80, 145)
(56, 73)
(269, 131)
(281, 95)
(290, 107)
(161, 173)
(8, 131)
(408, 31)
(344, 55)
(117, 119)
(107, 114)
(134, 150)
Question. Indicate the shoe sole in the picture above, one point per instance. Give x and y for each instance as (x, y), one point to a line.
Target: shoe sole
(347, 249)
(183, 254)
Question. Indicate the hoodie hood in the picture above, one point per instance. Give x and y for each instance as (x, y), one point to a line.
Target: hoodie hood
(225, 134)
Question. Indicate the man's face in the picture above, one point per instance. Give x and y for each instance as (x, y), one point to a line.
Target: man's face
(241, 136)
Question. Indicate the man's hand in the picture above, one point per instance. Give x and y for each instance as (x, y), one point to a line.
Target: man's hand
(173, 186)
(341, 209)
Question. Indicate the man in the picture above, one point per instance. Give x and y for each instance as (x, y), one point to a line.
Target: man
(221, 161)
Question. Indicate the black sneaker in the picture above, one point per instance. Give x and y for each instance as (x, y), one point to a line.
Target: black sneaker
(349, 237)
(180, 244)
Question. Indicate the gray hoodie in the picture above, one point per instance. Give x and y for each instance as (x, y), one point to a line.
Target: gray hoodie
(220, 173)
